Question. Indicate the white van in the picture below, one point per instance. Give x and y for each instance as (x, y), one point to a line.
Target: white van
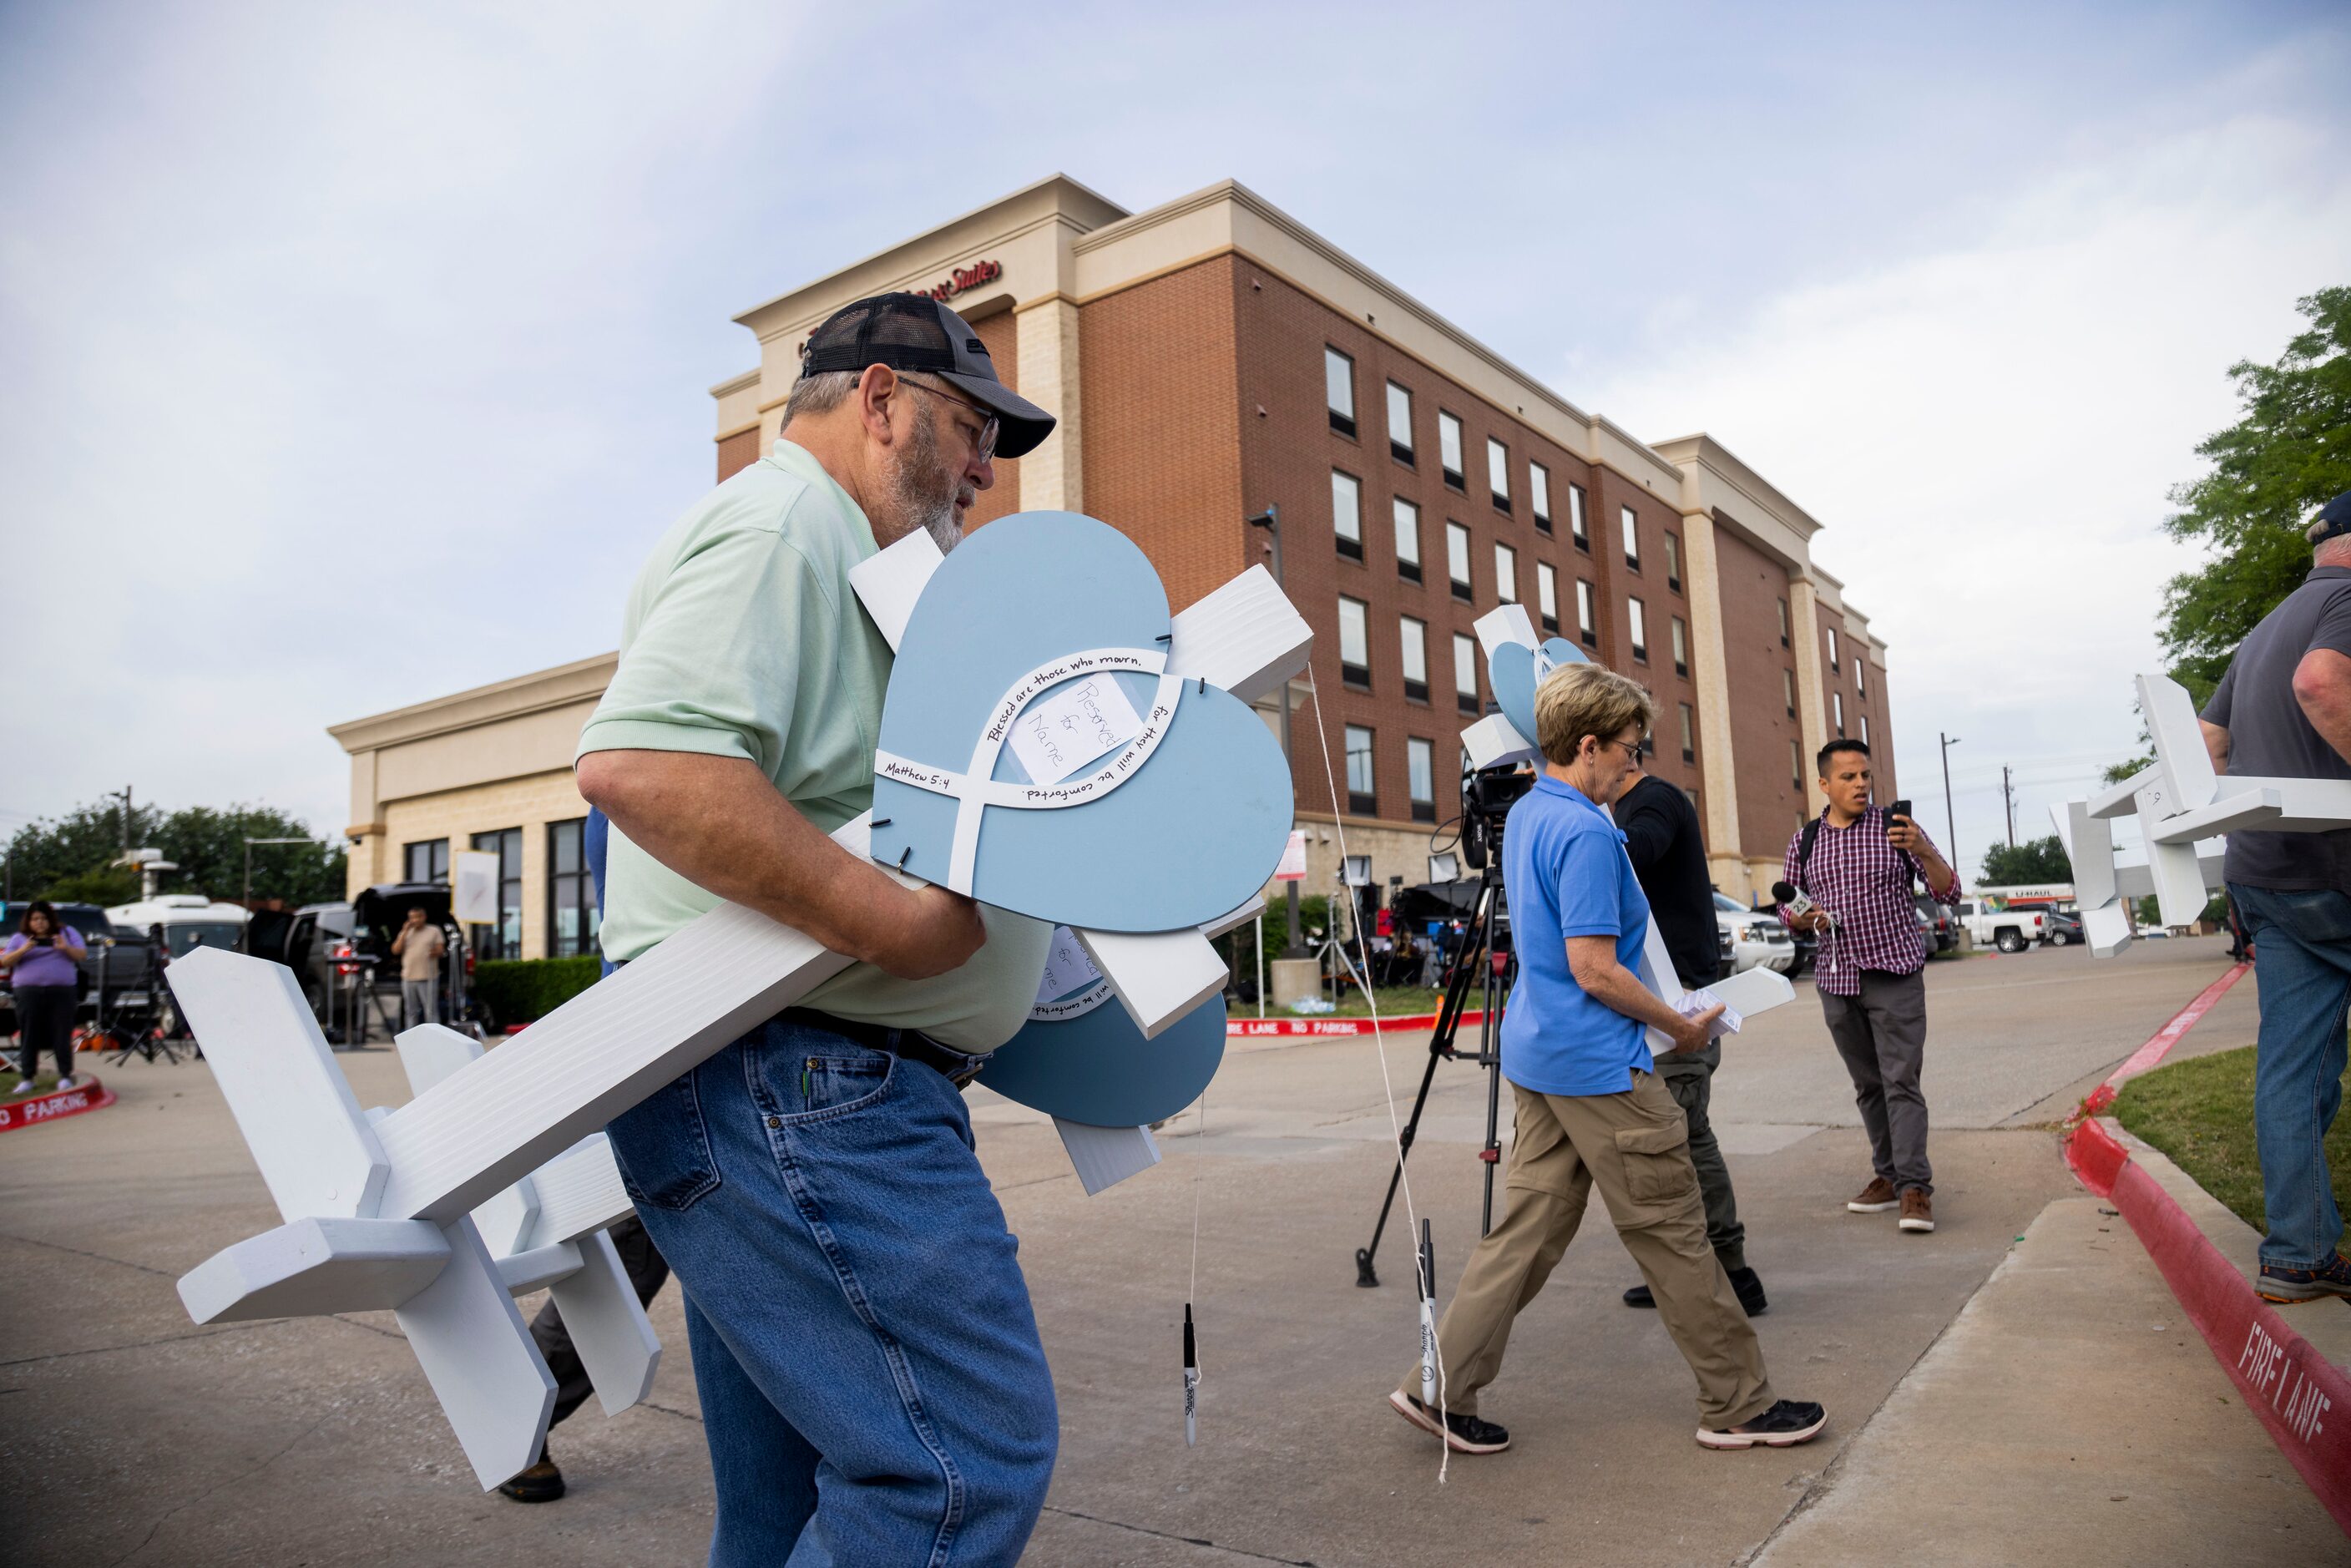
(189, 920)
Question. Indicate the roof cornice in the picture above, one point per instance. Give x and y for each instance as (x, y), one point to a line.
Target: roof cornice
(582, 680)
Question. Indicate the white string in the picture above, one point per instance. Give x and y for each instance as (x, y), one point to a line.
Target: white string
(1396, 1127)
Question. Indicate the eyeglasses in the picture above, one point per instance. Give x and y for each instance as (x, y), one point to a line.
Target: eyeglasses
(1632, 748)
(989, 427)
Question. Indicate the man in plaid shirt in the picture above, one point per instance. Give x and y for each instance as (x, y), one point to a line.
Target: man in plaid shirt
(1869, 971)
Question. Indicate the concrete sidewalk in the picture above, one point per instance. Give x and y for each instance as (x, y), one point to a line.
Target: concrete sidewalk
(2069, 1414)
(128, 1436)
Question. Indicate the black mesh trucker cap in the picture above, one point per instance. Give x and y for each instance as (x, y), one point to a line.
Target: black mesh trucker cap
(915, 332)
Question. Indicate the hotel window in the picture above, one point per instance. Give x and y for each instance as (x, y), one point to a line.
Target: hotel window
(1861, 677)
(426, 860)
(1673, 563)
(1339, 389)
(1363, 800)
(1354, 644)
(1637, 619)
(1578, 528)
(1689, 733)
(1547, 595)
(1796, 768)
(1681, 647)
(571, 918)
(1400, 424)
(503, 940)
(1832, 648)
(1347, 513)
(1456, 559)
(1448, 447)
(1632, 527)
(1836, 710)
(1783, 623)
(1497, 473)
(1788, 680)
(1506, 574)
(1465, 673)
(1420, 779)
(1413, 639)
(1539, 495)
(1586, 621)
(1865, 729)
(1407, 539)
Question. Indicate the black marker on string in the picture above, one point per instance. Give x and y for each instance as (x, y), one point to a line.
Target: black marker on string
(1191, 1382)
(1427, 1282)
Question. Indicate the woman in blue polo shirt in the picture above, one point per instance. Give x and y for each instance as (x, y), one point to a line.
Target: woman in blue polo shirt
(1591, 1112)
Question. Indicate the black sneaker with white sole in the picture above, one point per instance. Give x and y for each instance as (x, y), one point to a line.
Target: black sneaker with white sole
(1462, 1434)
(1785, 1425)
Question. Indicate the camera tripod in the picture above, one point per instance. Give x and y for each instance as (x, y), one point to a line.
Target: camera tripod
(1475, 962)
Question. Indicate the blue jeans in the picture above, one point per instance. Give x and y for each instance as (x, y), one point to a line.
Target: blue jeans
(2302, 962)
(872, 1387)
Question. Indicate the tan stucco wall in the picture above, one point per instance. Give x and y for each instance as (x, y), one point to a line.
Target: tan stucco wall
(528, 802)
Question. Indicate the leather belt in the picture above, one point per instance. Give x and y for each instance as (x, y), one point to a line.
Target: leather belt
(958, 1068)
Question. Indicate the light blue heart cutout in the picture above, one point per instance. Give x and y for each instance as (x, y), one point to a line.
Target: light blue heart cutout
(1515, 669)
(1172, 826)
(1081, 1058)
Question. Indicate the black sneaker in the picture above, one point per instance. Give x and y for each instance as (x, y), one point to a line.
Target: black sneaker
(540, 1483)
(1743, 1280)
(1462, 1434)
(1785, 1425)
(2288, 1287)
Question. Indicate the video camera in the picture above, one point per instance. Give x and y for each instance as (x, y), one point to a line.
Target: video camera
(1487, 796)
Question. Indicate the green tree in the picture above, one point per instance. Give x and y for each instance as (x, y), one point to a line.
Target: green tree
(2290, 453)
(2033, 861)
(71, 856)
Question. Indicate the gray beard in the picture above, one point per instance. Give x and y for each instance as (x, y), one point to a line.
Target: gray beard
(922, 490)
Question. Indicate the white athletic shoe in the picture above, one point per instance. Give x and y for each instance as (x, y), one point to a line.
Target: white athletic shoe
(24, 1086)
(67, 1082)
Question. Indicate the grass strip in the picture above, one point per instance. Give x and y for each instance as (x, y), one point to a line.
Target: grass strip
(2200, 1111)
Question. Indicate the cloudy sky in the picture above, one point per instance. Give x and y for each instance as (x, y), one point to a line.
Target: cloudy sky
(350, 356)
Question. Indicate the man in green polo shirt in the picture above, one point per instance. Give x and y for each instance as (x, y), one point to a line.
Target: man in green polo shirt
(871, 1382)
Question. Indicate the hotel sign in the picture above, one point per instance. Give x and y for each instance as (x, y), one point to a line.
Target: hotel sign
(964, 278)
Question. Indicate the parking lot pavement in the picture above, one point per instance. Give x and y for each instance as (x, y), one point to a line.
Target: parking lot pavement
(126, 1434)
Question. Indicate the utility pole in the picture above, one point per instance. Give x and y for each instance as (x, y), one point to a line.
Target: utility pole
(1950, 823)
(1270, 521)
(2008, 798)
(123, 795)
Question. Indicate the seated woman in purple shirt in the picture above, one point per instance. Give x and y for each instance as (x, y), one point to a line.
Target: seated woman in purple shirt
(43, 961)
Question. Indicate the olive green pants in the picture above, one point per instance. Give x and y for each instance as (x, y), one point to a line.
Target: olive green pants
(1634, 1148)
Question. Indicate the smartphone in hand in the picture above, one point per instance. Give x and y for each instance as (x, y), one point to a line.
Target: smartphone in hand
(1899, 812)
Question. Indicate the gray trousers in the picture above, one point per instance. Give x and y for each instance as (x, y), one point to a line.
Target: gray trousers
(648, 1271)
(1692, 1086)
(420, 1002)
(1882, 1035)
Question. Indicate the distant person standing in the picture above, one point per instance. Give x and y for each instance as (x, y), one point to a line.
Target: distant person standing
(2283, 711)
(43, 962)
(1663, 840)
(1856, 861)
(419, 947)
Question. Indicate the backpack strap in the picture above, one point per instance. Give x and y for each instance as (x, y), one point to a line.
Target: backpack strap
(1804, 842)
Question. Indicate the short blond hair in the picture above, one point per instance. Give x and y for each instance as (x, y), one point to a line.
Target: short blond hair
(1577, 700)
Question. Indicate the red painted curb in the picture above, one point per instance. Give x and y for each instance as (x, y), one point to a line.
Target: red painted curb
(1255, 1029)
(2303, 1399)
(89, 1094)
(2148, 1057)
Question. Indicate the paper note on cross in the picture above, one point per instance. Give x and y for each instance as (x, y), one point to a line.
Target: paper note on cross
(387, 1210)
(1515, 663)
(2184, 809)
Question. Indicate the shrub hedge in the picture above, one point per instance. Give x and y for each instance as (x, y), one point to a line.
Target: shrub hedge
(520, 990)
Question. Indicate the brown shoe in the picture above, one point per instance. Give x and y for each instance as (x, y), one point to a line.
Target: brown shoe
(1875, 1198)
(1917, 1209)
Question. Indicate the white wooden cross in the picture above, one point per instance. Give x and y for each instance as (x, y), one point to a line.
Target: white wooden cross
(495, 1178)
(2184, 810)
(1493, 742)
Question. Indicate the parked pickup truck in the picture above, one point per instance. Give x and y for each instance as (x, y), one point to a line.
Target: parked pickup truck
(2010, 930)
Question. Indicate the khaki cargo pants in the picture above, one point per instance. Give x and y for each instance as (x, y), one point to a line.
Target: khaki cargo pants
(1634, 1148)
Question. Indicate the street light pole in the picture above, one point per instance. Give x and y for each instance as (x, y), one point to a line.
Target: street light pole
(1270, 521)
(1950, 824)
(2008, 798)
